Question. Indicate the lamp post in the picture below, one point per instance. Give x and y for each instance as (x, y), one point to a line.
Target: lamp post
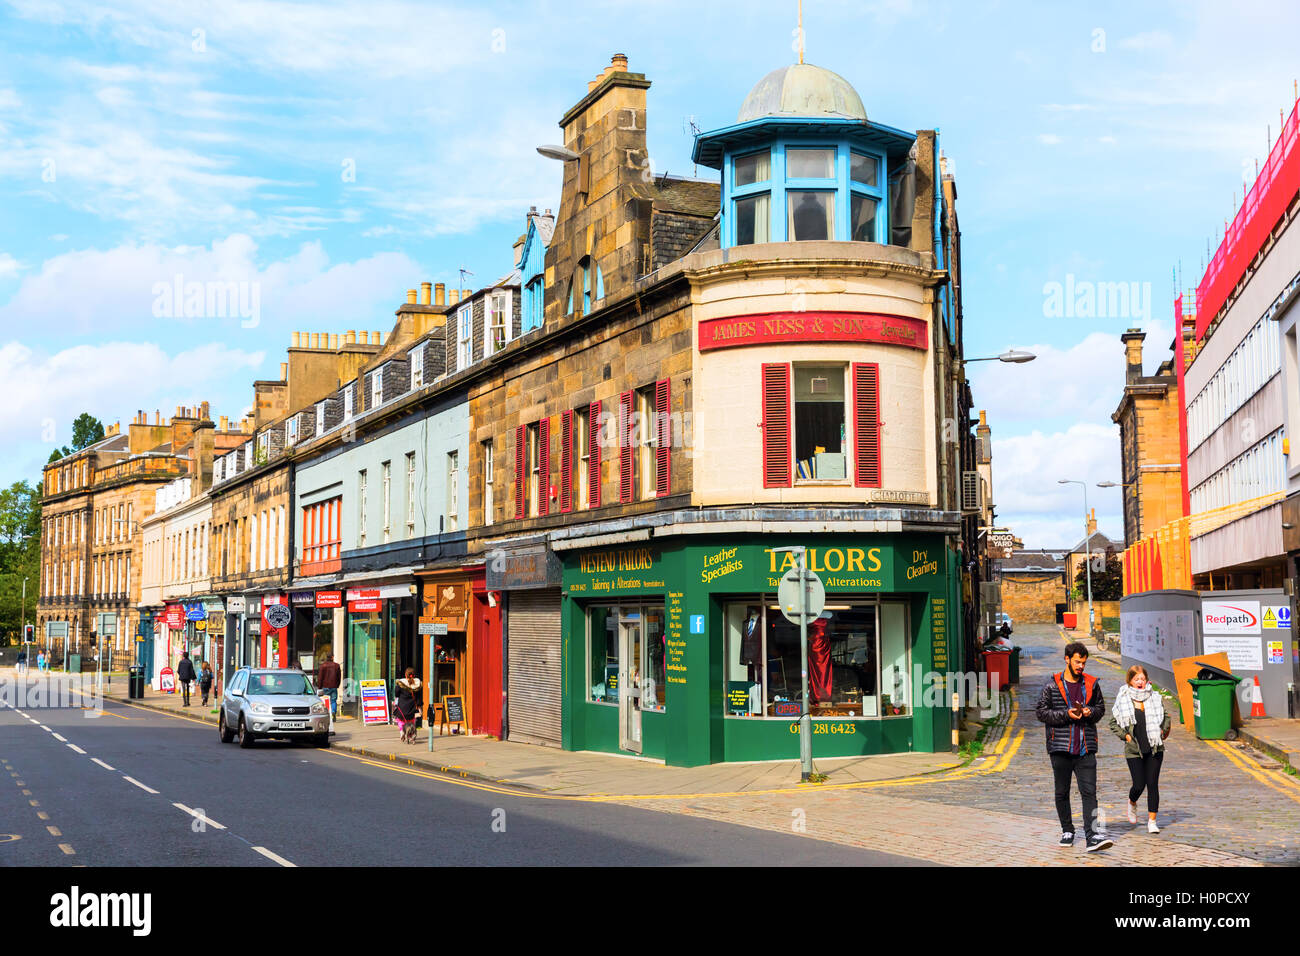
(1087, 543)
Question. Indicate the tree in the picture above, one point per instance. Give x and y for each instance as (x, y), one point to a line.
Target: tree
(1107, 584)
(86, 430)
(20, 555)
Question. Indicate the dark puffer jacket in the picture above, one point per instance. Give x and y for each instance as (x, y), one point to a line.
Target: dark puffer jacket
(1053, 710)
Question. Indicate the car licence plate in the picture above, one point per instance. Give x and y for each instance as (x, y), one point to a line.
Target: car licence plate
(293, 725)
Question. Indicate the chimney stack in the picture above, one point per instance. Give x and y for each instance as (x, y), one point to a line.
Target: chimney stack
(1132, 340)
(225, 423)
(1092, 528)
(426, 292)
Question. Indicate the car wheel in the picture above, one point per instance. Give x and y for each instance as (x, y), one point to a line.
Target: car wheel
(226, 734)
(245, 735)
(322, 740)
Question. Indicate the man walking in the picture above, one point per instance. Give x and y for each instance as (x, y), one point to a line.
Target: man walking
(328, 678)
(1070, 705)
(185, 674)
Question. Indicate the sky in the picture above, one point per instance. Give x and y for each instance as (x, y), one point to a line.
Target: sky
(326, 157)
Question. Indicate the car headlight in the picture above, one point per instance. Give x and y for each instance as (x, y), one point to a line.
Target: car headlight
(320, 707)
(261, 708)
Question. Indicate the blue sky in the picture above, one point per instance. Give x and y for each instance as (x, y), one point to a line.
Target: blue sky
(337, 155)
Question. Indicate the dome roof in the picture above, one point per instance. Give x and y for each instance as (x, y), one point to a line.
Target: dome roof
(802, 89)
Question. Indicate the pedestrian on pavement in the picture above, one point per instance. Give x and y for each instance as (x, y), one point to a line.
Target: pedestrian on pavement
(406, 710)
(205, 681)
(185, 674)
(40, 661)
(328, 678)
(1139, 718)
(1070, 705)
(20, 662)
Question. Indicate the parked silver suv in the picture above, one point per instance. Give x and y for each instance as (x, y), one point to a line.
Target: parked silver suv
(267, 702)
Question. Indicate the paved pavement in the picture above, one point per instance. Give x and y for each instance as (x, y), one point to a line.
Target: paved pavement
(132, 787)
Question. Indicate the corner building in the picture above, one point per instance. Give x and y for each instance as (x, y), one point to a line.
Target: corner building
(721, 386)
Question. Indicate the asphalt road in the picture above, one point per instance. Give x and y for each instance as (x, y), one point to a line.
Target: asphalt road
(132, 787)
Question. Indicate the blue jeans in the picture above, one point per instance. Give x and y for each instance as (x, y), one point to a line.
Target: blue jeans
(333, 694)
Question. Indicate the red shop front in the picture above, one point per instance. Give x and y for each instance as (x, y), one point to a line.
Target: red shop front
(460, 625)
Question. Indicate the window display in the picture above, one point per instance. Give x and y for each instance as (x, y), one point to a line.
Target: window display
(641, 629)
(858, 660)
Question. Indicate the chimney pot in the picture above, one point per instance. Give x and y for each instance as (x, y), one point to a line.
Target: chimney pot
(440, 294)
(619, 62)
(293, 340)
(207, 408)
(376, 338)
(465, 294)
(591, 84)
(365, 337)
(284, 377)
(453, 297)
(315, 340)
(334, 341)
(351, 337)
(426, 290)
(410, 296)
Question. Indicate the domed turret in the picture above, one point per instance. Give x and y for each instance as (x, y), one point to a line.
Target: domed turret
(802, 90)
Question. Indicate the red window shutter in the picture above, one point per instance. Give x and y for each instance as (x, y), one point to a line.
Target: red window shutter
(593, 455)
(866, 424)
(625, 459)
(544, 466)
(663, 438)
(566, 462)
(521, 471)
(776, 425)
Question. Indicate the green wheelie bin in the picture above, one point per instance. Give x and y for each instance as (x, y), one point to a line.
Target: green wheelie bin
(1212, 691)
(1014, 675)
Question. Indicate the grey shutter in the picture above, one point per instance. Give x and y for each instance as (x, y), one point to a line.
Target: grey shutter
(534, 666)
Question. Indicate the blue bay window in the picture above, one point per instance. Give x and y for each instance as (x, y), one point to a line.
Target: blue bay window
(804, 190)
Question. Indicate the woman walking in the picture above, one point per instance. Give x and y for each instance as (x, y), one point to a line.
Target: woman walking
(407, 709)
(1139, 718)
(205, 681)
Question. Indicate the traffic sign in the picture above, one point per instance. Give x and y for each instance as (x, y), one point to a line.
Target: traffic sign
(787, 595)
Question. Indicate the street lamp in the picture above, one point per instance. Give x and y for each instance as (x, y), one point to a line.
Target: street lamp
(1012, 356)
(1087, 543)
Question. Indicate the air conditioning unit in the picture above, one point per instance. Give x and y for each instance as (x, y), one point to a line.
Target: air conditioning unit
(970, 491)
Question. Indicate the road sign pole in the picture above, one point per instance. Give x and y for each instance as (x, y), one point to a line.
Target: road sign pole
(805, 721)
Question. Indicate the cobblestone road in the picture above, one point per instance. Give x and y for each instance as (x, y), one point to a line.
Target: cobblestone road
(1217, 807)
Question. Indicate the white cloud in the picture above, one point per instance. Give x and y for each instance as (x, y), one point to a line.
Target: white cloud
(1049, 139)
(44, 392)
(9, 267)
(1031, 502)
(305, 287)
(9, 99)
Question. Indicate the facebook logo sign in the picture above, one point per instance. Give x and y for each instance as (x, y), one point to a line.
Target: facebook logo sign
(697, 623)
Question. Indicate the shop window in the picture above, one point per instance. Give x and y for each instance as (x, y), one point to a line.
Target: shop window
(810, 215)
(820, 439)
(858, 660)
(627, 644)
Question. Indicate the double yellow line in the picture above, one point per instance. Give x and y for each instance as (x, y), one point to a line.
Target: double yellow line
(1278, 780)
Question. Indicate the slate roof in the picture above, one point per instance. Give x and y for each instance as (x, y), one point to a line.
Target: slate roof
(687, 197)
(1038, 561)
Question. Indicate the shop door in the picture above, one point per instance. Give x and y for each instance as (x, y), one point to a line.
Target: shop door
(629, 683)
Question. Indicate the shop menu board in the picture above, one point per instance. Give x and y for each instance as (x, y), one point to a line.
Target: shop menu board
(453, 706)
(1158, 637)
(374, 702)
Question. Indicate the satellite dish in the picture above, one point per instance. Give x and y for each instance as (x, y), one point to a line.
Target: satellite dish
(557, 152)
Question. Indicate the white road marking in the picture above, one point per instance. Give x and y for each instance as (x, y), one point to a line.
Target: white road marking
(101, 763)
(273, 856)
(44, 728)
(77, 749)
(138, 784)
(199, 816)
(67, 848)
(60, 738)
(34, 720)
(54, 831)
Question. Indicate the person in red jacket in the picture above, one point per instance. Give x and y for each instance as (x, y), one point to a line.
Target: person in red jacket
(328, 677)
(1070, 705)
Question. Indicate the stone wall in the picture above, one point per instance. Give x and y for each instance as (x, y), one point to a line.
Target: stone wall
(1032, 598)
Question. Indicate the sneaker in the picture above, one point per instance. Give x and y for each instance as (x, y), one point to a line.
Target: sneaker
(1067, 839)
(1151, 827)
(1133, 813)
(1099, 843)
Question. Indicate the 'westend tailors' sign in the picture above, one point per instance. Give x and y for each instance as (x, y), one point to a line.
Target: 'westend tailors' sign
(855, 564)
(792, 327)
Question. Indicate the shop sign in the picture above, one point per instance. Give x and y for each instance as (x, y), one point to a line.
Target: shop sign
(1236, 617)
(277, 616)
(214, 606)
(174, 616)
(167, 680)
(433, 628)
(302, 597)
(194, 610)
(235, 605)
(254, 607)
(536, 566)
(790, 327)
(386, 591)
(374, 702)
(365, 606)
(329, 598)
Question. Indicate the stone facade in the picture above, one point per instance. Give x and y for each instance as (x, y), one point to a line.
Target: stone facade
(1031, 597)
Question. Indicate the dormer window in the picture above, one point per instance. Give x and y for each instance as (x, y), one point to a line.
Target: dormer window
(465, 340)
(347, 403)
(796, 191)
(416, 358)
(263, 445)
(498, 322)
(320, 418)
(291, 430)
(377, 388)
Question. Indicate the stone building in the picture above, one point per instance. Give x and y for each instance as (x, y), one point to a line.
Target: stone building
(1150, 452)
(1033, 586)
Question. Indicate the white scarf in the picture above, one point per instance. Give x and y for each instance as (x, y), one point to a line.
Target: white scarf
(1126, 714)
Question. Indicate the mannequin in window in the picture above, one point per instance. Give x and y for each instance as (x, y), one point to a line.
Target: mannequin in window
(751, 645)
(810, 218)
(819, 660)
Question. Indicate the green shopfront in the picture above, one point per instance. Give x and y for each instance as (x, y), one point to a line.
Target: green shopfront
(676, 648)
